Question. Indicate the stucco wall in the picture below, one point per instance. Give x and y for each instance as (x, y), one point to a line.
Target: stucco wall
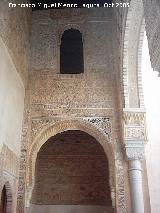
(11, 102)
(15, 31)
(54, 97)
(69, 209)
(96, 87)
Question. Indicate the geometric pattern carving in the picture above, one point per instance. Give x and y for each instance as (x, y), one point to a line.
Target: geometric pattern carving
(134, 134)
(121, 187)
(134, 125)
(135, 150)
(10, 161)
(134, 117)
(120, 181)
(53, 126)
(103, 124)
(39, 124)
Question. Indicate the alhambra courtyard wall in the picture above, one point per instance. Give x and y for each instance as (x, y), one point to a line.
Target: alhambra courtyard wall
(50, 99)
(90, 97)
(14, 35)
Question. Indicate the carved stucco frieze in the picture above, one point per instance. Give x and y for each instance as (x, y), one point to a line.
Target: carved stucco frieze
(120, 174)
(134, 134)
(52, 126)
(22, 164)
(134, 117)
(134, 126)
(121, 187)
(104, 124)
(39, 124)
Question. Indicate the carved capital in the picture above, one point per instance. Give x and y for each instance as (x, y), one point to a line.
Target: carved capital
(134, 133)
(135, 150)
(134, 125)
(134, 117)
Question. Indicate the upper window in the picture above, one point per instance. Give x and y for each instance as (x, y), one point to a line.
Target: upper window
(71, 52)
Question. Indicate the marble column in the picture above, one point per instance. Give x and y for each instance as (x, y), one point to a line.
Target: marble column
(135, 154)
(134, 142)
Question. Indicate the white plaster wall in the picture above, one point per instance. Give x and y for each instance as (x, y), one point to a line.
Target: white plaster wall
(151, 85)
(69, 209)
(11, 102)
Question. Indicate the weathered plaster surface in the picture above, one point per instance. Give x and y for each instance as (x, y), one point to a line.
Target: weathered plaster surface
(15, 31)
(11, 102)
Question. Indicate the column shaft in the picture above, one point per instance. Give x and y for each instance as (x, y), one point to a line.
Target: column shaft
(136, 187)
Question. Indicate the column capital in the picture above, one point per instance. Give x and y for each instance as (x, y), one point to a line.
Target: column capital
(135, 137)
(135, 150)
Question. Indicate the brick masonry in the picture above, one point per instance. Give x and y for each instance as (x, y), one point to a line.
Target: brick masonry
(70, 171)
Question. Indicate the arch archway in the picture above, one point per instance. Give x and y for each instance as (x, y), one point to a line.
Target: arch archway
(71, 173)
(6, 199)
(62, 126)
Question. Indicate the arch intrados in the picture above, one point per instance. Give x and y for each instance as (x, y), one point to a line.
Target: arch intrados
(64, 126)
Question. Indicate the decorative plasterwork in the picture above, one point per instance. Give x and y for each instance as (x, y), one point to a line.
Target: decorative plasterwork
(134, 126)
(135, 150)
(104, 124)
(134, 117)
(99, 128)
(43, 130)
(120, 181)
(134, 134)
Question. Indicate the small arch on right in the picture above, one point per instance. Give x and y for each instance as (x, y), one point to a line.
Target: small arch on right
(71, 52)
(6, 199)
